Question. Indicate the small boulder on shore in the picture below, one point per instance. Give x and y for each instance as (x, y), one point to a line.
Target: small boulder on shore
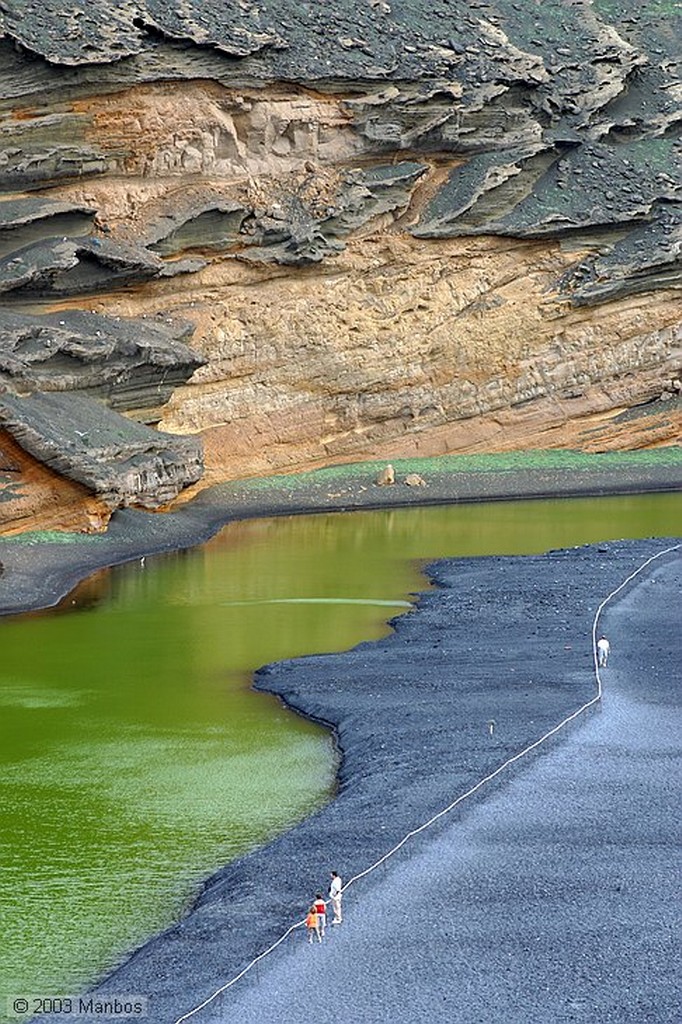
(415, 480)
(386, 476)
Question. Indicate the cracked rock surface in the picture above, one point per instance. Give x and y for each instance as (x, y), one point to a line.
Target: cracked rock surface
(123, 462)
(133, 364)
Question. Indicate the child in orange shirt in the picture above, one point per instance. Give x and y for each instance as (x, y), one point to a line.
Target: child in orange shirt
(311, 924)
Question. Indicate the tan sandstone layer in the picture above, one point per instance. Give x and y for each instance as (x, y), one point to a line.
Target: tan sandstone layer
(407, 346)
(395, 346)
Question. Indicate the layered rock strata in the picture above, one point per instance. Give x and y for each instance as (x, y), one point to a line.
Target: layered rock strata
(121, 461)
(395, 228)
(133, 364)
(70, 457)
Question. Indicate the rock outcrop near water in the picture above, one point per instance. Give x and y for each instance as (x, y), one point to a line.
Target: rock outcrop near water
(395, 228)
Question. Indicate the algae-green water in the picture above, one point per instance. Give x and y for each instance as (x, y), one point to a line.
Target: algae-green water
(135, 759)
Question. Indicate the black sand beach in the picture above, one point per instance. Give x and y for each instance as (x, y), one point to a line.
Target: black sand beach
(507, 639)
(550, 901)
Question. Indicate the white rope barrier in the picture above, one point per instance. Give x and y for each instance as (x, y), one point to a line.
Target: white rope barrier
(464, 796)
(609, 597)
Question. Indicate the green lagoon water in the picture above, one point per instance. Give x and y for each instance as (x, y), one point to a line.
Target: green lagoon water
(135, 759)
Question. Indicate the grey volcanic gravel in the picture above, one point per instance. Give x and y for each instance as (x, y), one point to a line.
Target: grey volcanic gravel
(503, 638)
(552, 901)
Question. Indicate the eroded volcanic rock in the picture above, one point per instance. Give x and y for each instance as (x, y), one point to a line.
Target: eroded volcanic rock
(63, 266)
(393, 225)
(56, 373)
(298, 225)
(119, 460)
(646, 258)
(27, 220)
(134, 364)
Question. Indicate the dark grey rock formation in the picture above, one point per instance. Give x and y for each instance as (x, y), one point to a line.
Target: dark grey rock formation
(291, 239)
(466, 192)
(29, 164)
(211, 223)
(28, 220)
(298, 227)
(65, 266)
(63, 375)
(567, 113)
(133, 364)
(121, 461)
(592, 184)
(647, 257)
(368, 193)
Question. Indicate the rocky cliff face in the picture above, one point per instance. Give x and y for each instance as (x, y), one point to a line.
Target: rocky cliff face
(394, 227)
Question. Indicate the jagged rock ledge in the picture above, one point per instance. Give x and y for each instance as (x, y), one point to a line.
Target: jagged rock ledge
(119, 460)
(62, 378)
(133, 364)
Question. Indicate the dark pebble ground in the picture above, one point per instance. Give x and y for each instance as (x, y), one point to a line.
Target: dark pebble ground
(547, 897)
(552, 901)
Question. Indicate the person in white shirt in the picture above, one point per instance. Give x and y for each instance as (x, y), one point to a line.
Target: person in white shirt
(603, 648)
(335, 897)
